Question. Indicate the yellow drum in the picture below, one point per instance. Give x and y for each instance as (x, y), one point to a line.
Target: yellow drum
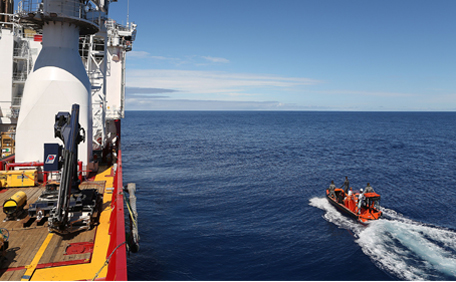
(14, 205)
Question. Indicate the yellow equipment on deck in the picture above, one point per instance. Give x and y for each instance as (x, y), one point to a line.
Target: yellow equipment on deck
(21, 178)
(14, 206)
(7, 142)
(3, 178)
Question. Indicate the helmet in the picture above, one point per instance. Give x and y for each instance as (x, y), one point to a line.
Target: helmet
(361, 190)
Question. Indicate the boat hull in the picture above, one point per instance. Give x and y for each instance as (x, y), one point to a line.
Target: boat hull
(341, 208)
(366, 215)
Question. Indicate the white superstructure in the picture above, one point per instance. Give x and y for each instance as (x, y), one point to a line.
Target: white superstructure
(104, 55)
(58, 79)
(18, 52)
(56, 75)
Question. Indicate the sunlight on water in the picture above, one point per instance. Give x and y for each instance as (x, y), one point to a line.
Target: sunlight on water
(407, 249)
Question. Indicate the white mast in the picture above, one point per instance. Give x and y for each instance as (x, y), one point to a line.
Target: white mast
(128, 12)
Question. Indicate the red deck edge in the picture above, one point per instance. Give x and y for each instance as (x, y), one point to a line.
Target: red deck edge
(117, 268)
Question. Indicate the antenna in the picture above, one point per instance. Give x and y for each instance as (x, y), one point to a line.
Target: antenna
(128, 12)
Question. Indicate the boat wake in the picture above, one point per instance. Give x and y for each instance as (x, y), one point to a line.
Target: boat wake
(405, 248)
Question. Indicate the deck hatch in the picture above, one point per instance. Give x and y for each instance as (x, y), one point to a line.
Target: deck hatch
(79, 248)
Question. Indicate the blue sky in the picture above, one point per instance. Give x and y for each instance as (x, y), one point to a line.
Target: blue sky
(340, 55)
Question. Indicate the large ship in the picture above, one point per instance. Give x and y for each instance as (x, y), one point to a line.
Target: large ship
(62, 94)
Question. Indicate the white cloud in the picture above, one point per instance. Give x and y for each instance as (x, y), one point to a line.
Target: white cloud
(138, 54)
(242, 94)
(161, 58)
(364, 93)
(149, 90)
(215, 60)
(184, 104)
(186, 60)
(147, 55)
(207, 82)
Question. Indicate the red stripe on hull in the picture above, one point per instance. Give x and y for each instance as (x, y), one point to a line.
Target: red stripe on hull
(117, 268)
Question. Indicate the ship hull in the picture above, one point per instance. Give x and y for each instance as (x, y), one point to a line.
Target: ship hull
(117, 269)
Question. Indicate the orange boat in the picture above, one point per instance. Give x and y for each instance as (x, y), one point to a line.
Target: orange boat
(348, 205)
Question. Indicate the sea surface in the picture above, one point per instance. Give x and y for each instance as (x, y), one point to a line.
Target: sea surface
(239, 195)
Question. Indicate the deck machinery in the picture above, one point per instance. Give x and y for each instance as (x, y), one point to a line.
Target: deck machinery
(54, 54)
(69, 208)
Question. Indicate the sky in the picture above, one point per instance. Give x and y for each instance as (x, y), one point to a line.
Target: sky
(304, 55)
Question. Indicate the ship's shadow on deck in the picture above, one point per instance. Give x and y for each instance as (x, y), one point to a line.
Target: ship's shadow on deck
(7, 258)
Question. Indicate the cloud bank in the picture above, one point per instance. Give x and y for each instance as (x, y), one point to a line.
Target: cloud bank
(211, 82)
(194, 60)
(147, 90)
(207, 105)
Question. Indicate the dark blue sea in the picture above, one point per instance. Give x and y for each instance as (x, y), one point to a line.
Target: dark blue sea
(239, 195)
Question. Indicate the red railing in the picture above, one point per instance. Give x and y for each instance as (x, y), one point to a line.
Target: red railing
(8, 166)
(6, 160)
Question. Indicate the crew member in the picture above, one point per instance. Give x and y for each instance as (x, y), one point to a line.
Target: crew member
(369, 189)
(346, 185)
(360, 200)
(331, 188)
(341, 197)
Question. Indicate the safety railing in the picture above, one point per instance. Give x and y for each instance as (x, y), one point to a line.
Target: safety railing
(27, 6)
(73, 8)
(16, 102)
(10, 21)
(20, 76)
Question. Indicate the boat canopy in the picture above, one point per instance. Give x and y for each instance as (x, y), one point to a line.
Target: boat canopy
(372, 196)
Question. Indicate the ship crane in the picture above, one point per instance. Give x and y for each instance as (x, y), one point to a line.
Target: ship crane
(68, 129)
(69, 208)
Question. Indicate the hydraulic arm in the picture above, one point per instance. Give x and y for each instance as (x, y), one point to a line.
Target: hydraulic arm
(69, 209)
(67, 128)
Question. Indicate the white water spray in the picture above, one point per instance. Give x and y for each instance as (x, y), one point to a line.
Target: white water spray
(407, 249)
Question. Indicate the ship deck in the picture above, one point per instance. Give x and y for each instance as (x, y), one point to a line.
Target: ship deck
(34, 253)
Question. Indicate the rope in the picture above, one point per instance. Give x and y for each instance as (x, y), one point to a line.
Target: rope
(107, 260)
(131, 213)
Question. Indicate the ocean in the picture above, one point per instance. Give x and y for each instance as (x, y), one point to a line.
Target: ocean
(240, 195)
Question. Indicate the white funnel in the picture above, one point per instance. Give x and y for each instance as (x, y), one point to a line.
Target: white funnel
(58, 81)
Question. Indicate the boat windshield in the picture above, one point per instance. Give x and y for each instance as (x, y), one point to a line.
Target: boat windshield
(377, 204)
(373, 202)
